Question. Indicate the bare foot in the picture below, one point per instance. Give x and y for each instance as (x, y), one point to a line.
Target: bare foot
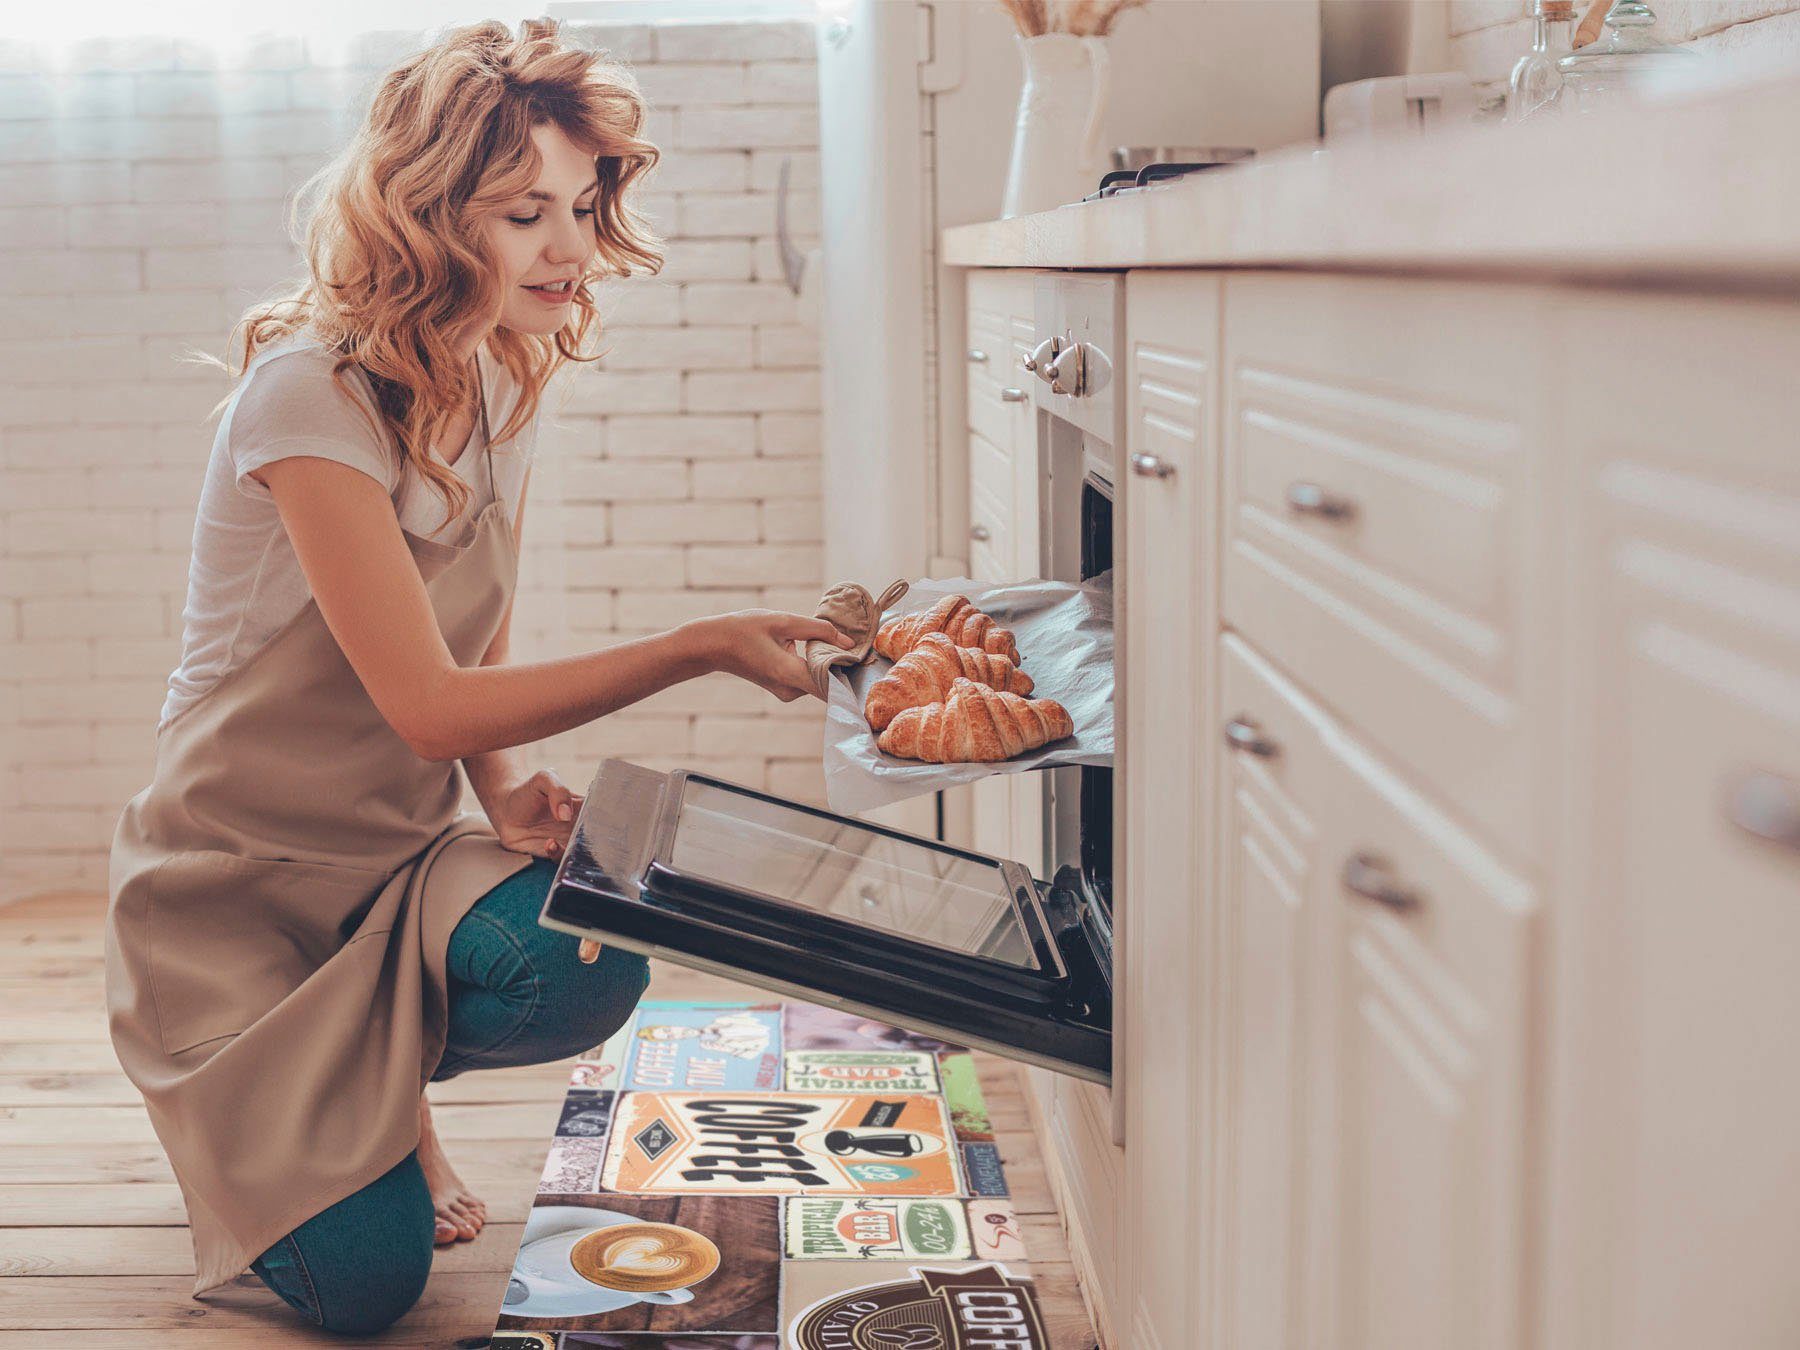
(459, 1214)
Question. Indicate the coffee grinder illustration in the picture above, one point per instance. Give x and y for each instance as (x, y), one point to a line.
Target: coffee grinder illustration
(879, 1143)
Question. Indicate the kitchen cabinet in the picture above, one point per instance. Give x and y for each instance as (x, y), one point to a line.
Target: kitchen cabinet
(1675, 1159)
(1357, 1067)
(1459, 818)
(1383, 677)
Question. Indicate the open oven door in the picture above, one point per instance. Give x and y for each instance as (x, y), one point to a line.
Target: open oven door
(832, 909)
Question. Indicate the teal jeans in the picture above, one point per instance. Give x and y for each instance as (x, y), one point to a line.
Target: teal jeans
(518, 995)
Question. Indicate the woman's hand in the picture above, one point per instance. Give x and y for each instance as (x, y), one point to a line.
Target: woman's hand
(760, 645)
(535, 815)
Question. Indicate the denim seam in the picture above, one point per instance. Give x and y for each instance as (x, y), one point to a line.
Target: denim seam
(312, 1293)
(536, 994)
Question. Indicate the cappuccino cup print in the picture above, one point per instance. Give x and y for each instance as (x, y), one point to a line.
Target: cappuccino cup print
(654, 1262)
(880, 1143)
(549, 1275)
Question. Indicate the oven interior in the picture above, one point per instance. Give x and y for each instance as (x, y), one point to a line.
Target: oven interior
(1096, 791)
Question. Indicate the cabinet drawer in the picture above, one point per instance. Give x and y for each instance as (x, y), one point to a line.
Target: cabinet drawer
(1380, 530)
(992, 416)
(1406, 959)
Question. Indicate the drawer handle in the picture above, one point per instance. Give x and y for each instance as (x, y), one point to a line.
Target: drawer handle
(1149, 466)
(1309, 499)
(1371, 877)
(1012, 395)
(1767, 806)
(980, 533)
(1241, 733)
(977, 356)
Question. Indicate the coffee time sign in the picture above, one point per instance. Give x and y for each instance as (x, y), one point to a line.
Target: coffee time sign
(787, 1143)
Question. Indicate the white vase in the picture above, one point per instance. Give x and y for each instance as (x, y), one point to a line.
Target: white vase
(1056, 156)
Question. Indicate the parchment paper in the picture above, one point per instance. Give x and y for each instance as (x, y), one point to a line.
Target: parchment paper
(1065, 636)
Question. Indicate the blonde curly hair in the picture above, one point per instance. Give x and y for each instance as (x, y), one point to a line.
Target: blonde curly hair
(397, 260)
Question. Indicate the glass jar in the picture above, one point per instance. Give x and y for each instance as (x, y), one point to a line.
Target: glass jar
(1536, 81)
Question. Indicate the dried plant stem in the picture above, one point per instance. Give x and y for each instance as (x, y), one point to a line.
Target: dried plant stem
(1080, 18)
(1023, 17)
(1110, 11)
(1077, 17)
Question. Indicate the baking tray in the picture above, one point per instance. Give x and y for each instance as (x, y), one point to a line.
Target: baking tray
(1065, 636)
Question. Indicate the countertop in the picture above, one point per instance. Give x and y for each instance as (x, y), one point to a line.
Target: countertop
(1703, 186)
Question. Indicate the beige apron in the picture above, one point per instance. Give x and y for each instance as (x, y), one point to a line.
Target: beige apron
(282, 896)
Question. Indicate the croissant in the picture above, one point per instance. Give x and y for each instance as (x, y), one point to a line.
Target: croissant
(975, 723)
(956, 619)
(925, 674)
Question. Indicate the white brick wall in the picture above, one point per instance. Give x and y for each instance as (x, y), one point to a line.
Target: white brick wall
(1488, 36)
(141, 209)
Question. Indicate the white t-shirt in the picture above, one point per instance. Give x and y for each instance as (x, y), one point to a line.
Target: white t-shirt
(244, 581)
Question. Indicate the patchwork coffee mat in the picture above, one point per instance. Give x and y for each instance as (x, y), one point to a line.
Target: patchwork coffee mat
(759, 1176)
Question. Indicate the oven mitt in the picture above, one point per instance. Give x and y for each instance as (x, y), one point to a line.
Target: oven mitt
(854, 613)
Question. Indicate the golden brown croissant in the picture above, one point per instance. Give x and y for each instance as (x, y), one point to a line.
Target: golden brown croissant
(976, 723)
(956, 619)
(925, 674)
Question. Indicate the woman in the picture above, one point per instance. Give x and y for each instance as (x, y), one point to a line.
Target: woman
(303, 931)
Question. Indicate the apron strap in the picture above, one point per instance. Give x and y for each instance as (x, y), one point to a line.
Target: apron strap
(487, 435)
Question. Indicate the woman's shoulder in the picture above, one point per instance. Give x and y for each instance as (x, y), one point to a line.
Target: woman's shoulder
(291, 400)
(299, 365)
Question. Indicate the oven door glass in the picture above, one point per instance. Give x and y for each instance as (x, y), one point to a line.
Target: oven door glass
(904, 929)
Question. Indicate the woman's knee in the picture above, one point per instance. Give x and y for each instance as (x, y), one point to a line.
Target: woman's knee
(382, 1295)
(565, 1005)
(358, 1266)
(590, 1001)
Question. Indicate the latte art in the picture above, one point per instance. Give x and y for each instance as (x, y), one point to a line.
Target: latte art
(648, 1256)
(644, 1257)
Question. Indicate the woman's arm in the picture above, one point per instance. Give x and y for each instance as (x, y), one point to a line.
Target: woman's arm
(372, 598)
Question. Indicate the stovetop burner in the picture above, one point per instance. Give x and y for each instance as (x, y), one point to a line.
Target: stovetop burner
(1131, 180)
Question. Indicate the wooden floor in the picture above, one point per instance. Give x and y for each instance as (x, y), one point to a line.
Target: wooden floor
(94, 1249)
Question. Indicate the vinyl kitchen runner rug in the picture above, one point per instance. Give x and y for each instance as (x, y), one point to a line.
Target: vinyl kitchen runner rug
(771, 1176)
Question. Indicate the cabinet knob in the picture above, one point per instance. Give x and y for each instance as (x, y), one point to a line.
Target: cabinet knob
(1371, 877)
(1068, 372)
(1012, 395)
(1767, 806)
(980, 533)
(1149, 466)
(1242, 733)
(1309, 499)
(977, 356)
(1041, 356)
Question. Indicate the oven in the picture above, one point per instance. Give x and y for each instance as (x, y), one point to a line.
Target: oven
(1010, 955)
